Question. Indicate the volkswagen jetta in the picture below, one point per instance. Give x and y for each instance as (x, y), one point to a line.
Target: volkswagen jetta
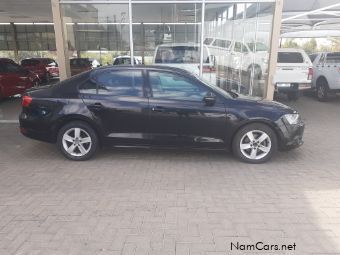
(155, 106)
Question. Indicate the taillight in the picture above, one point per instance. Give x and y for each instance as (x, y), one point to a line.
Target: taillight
(310, 73)
(26, 101)
(208, 69)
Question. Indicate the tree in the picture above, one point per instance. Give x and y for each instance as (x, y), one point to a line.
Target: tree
(310, 46)
(290, 43)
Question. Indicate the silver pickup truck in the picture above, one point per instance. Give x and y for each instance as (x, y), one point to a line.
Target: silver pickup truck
(326, 77)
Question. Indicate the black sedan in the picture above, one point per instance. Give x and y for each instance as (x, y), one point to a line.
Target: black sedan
(155, 106)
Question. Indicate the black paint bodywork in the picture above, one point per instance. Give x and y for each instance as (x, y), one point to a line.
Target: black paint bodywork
(144, 120)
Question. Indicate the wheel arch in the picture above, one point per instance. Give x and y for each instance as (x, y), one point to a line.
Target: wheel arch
(75, 117)
(266, 122)
(321, 78)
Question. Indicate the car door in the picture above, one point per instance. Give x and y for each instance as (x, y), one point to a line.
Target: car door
(179, 113)
(119, 105)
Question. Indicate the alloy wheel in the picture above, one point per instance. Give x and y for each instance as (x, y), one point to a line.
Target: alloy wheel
(255, 144)
(76, 142)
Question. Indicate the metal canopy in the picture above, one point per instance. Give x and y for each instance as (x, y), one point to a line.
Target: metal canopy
(312, 18)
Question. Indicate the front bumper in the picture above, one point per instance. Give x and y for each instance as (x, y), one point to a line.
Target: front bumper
(291, 136)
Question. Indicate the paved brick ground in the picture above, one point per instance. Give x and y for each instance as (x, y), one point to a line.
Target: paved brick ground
(156, 202)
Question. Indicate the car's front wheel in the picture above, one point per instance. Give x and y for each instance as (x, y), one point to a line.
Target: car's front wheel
(255, 143)
(77, 141)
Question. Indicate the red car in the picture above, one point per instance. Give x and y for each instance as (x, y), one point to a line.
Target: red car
(15, 79)
(45, 68)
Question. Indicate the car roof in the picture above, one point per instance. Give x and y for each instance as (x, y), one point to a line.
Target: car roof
(151, 67)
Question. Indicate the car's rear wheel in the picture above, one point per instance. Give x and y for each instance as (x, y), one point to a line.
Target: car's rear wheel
(322, 90)
(77, 141)
(255, 143)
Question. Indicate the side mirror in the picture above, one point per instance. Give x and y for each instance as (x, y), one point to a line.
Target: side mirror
(209, 99)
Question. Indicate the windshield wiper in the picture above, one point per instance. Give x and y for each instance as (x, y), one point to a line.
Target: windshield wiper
(232, 93)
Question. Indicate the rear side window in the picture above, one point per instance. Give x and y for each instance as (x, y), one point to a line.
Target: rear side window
(333, 58)
(30, 62)
(121, 83)
(290, 57)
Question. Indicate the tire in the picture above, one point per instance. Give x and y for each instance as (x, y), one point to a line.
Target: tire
(257, 72)
(81, 147)
(293, 96)
(258, 152)
(322, 90)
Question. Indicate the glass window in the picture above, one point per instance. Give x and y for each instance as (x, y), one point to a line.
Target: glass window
(120, 83)
(30, 62)
(333, 58)
(240, 47)
(290, 57)
(170, 86)
(172, 28)
(88, 87)
(12, 68)
(222, 43)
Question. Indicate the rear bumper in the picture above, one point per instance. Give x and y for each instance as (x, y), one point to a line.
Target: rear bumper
(28, 129)
(285, 87)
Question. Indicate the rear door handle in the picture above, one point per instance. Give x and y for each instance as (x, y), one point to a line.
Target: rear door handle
(158, 109)
(96, 106)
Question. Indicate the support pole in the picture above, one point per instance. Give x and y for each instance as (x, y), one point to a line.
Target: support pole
(15, 42)
(274, 45)
(62, 49)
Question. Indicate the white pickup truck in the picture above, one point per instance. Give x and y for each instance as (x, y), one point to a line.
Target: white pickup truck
(294, 72)
(326, 78)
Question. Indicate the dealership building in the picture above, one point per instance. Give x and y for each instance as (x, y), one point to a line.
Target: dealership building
(233, 44)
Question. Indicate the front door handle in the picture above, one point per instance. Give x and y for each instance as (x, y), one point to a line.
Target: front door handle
(158, 109)
(96, 106)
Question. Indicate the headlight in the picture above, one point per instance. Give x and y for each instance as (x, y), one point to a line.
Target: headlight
(292, 119)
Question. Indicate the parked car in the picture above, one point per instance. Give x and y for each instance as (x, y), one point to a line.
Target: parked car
(249, 58)
(125, 60)
(15, 79)
(79, 65)
(186, 56)
(326, 79)
(155, 106)
(294, 72)
(45, 68)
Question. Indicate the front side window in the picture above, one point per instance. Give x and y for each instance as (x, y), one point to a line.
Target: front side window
(121, 83)
(173, 87)
(240, 47)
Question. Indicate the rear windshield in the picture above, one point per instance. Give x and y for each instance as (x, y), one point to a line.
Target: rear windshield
(290, 57)
(179, 55)
(29, 62)
(333, 58)
(80, 62)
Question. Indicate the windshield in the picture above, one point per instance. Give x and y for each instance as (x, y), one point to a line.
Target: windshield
(178, 54)
(215, 88)
(259, 46)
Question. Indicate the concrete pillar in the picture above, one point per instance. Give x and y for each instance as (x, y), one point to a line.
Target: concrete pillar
(274, 45)
(15, 42)
(62, 48)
